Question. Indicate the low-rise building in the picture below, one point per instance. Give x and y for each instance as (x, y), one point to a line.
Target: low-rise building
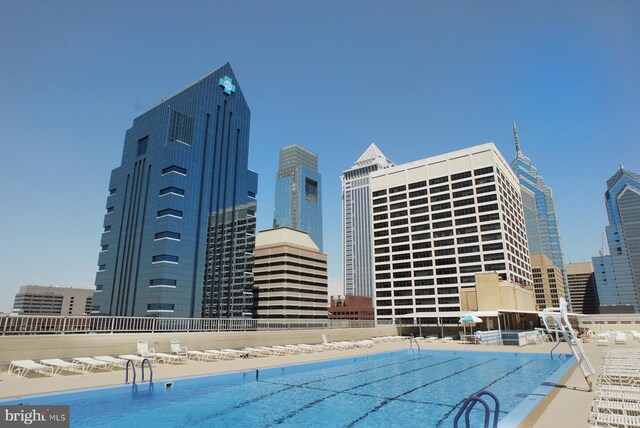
(49, 300)
(582, 288)
(290, 275)
(351, 308)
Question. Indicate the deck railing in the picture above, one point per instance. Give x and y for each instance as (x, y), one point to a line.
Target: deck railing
(38, 324)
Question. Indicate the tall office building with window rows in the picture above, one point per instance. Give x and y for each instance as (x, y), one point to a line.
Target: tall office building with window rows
(439, 221)
(180, 213)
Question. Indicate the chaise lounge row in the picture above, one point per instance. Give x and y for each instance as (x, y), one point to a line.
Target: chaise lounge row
(53, 367)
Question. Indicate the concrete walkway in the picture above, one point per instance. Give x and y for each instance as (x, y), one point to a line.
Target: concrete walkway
(567, 406)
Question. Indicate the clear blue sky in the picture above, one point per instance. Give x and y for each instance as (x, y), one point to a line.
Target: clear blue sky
(418, 78)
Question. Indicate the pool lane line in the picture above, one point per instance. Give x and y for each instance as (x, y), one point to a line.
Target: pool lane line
(209, 416)
(288, 387)
(389, 400)
(481, 389)
(319, 400)
(370, 382)
(342, 375)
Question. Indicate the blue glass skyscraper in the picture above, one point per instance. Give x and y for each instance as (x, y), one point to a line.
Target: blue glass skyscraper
(618, 274)
(298, 194)
(179, 223)
(539, 211)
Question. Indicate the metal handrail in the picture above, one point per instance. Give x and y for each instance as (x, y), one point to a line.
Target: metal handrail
(471, 401)
(412, 337)
(42, 324)
(126, 369)
(150, 370)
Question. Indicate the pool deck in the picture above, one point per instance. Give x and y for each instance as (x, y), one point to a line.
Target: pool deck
(567, 405)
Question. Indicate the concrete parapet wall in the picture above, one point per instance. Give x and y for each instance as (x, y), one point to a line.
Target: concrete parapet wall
(36, 347)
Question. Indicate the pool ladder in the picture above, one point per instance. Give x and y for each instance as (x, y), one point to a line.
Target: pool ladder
(133, 370)
(468, 404)
(413, 339)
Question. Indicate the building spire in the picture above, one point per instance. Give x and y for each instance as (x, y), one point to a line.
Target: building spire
(515, 135)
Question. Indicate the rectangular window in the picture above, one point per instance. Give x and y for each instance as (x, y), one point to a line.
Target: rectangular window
(171, 190)
(481, 171)
(438, 180)
(162, 282)
(397, 189)
(167, 235)
(164, 258)
(461, 184)
(104, 248)
(107, 228)
(99, 288)
(169, 212)
(142, 145)
(181, 128)
(485, 208)
(164, 307)
(109, 210)
(379, 193)
(113, 191)
(174, 168)
(102, 268)
(439, 189)
(311, 190)
(461, 175)
(417, 185)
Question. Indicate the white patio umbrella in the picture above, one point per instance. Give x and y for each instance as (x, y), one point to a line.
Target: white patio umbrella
(469, 319)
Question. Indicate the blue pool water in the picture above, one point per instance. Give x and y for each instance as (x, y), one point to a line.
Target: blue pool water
(393, 389)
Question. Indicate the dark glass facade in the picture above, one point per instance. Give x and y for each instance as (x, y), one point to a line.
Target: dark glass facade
(184, 160)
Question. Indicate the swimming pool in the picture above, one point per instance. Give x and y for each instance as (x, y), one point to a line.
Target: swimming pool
(401, 388)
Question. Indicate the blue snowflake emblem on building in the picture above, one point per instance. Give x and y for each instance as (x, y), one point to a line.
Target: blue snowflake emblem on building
(227, 83)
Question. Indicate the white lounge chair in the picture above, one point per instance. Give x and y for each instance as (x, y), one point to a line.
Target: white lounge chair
(221, 354)
(203, 356)
(635, 335)
(112, 361)
(618, 395)
(89, 364)
(257, 351)
(146, 352)
(137, 360)
(60, 365)
(177, 349)
(621, 338)
(237, 352)
(605, 405)
(602, 339)
(613, 420)
(21, 368)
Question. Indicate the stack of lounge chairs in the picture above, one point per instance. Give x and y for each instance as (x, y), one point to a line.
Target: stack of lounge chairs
(617, 402)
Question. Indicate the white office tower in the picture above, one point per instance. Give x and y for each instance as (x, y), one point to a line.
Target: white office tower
(356, 222)
(439, 221)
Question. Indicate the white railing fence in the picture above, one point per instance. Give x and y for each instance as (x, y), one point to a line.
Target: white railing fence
(38, 324)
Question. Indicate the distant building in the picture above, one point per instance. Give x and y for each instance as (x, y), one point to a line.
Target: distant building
(548, 282)
(543, 231)
(228, 280)
(618, 274)
(43, 300)
(174, 243)
(298, 193)
(356, 222)
(351, 308)
(582, 283)
(290, 276)
(437, 222)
